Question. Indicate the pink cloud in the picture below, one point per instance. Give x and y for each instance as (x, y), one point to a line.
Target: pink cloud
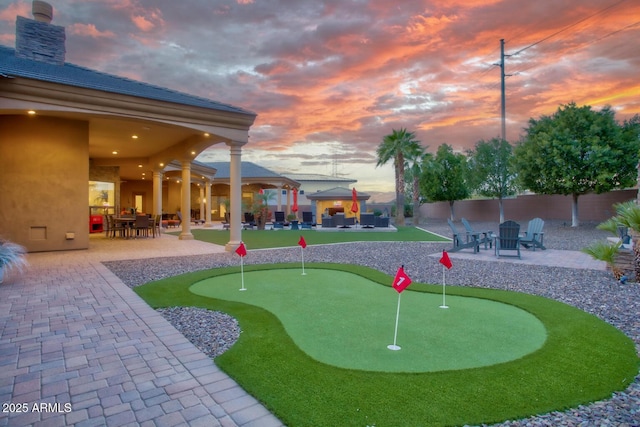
(88, 30)
(15, 9)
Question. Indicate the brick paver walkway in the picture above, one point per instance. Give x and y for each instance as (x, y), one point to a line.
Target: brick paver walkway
(78, 347)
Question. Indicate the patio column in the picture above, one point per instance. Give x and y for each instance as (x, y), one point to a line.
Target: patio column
(207, 207)
(185, 204)
(235, 195)
(157, 193)
(279, 199)
(288, 201)
(203, 203)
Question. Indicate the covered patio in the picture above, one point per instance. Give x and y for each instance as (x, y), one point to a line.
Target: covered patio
(63, 125)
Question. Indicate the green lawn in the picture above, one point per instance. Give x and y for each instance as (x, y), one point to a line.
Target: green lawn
(262, 239)
(582, 360)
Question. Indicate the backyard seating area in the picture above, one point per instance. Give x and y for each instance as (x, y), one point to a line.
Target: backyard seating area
(506, 242)
(367, 221)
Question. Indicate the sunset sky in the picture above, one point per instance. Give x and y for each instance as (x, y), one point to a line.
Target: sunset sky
(328, 79)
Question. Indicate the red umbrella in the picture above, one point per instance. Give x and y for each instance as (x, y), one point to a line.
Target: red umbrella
(294, 208)
(354, 199)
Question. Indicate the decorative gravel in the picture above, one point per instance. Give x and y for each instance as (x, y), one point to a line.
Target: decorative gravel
(213, 332)
(595, 292)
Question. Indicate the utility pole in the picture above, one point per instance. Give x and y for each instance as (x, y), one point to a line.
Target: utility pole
(502, 98)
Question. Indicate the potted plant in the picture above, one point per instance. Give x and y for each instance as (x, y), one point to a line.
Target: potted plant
(11, 257)
(260, 209)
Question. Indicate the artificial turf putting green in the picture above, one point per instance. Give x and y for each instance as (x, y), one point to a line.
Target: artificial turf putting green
(582, 360)
(346, 320)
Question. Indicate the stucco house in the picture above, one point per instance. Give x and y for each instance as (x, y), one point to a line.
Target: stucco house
(72, 137)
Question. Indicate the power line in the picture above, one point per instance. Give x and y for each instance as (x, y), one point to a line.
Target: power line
(587, 44)
(567, 27)
(502, 57)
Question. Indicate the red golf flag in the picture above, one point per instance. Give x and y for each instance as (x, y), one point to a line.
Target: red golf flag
(401, 281)
(445, 260)
(302, 243)
(242, 250)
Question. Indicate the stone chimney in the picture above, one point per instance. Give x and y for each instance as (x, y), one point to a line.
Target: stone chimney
(37, 38)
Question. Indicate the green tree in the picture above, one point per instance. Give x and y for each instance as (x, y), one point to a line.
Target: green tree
(631, 130)
(492, 170)
(444, 177)
(399, 146)
(577, 151)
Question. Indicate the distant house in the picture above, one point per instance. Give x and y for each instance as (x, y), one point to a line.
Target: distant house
(313, 183)
(74, 140)
(337, 200)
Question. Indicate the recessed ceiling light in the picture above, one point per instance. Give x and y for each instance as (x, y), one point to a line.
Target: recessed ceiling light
(31, 112)
(161, 165)
(139, 166)
(114, 152)
(206, 134)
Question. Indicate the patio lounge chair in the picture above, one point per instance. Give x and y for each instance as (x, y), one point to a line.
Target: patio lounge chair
(485, 237)
(307, 220)
(227, 221)
(508, 238)
(381, 221)
(367, 220)
(249, 221)
(534, 236)
(460, 243)
(279, 219)
(327, 222)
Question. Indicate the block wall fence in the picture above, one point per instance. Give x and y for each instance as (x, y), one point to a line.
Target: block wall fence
(591, 207)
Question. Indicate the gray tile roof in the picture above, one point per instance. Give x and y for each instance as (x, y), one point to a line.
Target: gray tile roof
(247, 169)
(74, 75)
(340, 193)
(319, 178)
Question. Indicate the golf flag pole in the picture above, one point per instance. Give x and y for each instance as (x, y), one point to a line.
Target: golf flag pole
(242, 252)
(400, 282)
(444, 291)
(395, 333)
(446, 262)
(303, 245)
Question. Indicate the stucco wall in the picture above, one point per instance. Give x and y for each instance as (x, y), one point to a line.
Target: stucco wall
(44, 175)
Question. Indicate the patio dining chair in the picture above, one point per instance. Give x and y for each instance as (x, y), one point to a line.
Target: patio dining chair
(141, 226)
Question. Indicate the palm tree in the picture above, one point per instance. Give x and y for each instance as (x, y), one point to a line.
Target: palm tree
(414, 165)
(400, 146)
